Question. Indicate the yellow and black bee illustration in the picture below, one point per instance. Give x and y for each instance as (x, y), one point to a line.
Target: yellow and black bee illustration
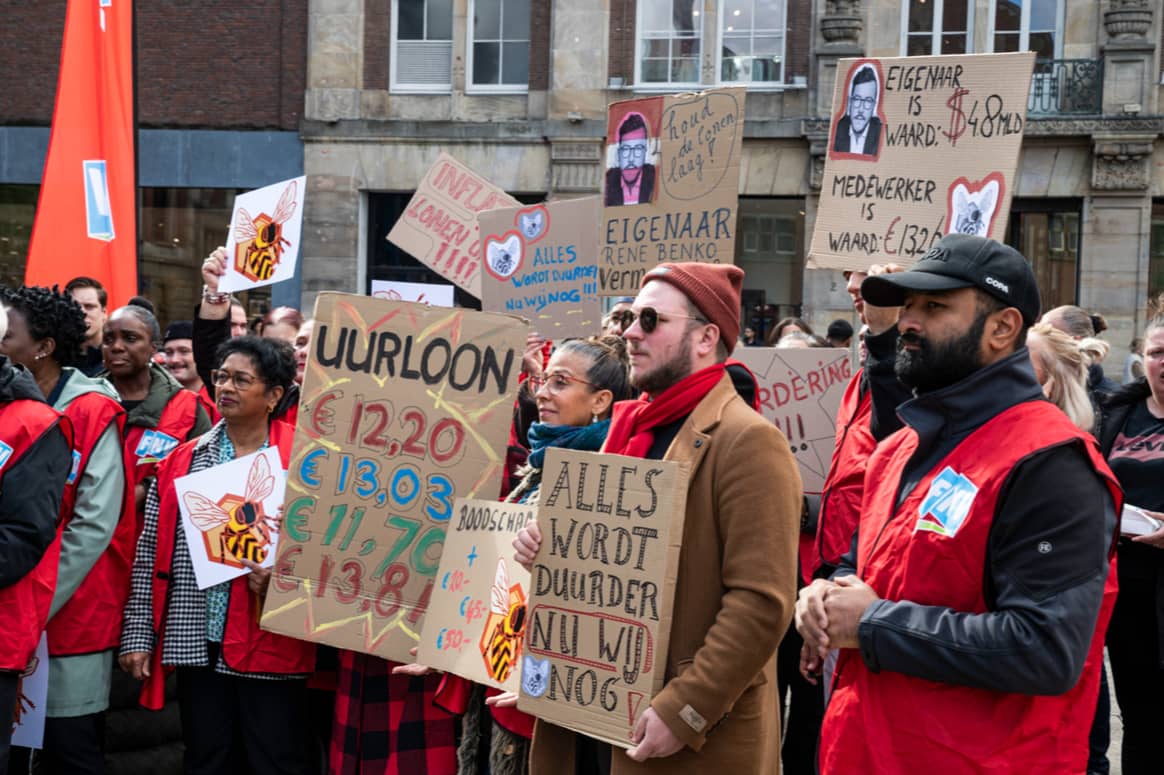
(501, 638)
(259, 241)
(245, 528)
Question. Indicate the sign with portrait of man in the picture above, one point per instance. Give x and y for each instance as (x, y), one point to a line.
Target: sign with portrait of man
(858, 132)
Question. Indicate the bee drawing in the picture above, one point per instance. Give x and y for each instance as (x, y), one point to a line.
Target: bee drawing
(260, 240)
(501, 638)
(245, 528)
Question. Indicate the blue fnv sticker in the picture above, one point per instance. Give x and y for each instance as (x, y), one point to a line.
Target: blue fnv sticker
(75, 469)
(155, 444)
(98, 211)
(5, 453)
(947, 504)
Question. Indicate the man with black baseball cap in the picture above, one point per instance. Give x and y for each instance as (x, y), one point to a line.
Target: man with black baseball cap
(970, 611)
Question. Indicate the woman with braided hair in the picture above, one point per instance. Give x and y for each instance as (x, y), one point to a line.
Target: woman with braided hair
(46, 332)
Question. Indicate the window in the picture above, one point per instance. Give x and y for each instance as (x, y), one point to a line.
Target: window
(751, 41)
(1027, 25)
(499, 49)
(670, 33)
(422, 40)
(1046, 231)
(933, 27)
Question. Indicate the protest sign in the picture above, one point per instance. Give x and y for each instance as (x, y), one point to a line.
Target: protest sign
(939, 143)
(540, 262)
(671, 185)
(603, 585)
(31, 697)
(404, 408)
(262, 246)
(229, 513)
(476, 616)
(439, 227)
(421, 293)
(799, 390)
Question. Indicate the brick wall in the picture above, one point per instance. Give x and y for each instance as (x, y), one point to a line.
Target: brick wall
(539, 45)
(201, 63)
(377, 43)
(621, 60)
(800, 35)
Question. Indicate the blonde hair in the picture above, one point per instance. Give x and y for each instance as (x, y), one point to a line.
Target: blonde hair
(1064, 362)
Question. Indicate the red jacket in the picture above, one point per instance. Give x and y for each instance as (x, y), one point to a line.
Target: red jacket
(840, 504)
(931, 550)
(245, 647)
(146, 447)
(91, 620)
(24, 606)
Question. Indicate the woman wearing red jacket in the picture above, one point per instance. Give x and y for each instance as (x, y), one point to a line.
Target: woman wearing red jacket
(236, 682)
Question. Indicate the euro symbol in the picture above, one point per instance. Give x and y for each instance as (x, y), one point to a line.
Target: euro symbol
(957, 117)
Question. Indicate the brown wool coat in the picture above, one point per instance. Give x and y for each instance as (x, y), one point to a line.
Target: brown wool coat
(733, 600)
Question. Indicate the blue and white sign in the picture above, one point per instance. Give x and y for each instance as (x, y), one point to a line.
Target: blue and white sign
(947, 504)
(98, 212)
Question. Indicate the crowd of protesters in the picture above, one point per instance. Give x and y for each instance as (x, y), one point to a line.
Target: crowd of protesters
(958, 578)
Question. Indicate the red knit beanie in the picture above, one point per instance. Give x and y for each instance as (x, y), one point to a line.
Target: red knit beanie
(714, 289)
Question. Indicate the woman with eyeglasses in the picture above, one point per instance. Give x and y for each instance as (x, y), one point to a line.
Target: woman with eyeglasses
(160, 413)
(239, 687)
(574, 396)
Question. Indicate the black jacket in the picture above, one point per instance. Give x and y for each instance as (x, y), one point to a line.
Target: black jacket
(31, 489)
(613, 196)
(1042, 607)
(872, 137)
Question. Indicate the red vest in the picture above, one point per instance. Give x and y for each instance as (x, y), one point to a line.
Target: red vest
(24, 606)
(245, 647)
(208, 404)
(840, 504)
(91, 620)
(932, 550)
(146, 447)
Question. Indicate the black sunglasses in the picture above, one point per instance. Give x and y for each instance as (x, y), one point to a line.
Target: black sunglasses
(649, 319)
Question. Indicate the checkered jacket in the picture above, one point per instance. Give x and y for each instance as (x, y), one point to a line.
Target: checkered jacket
(185, 641)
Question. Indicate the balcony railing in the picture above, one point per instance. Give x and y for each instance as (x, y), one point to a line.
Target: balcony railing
(1066, 87)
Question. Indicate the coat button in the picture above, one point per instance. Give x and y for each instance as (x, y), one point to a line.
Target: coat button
(698, 443)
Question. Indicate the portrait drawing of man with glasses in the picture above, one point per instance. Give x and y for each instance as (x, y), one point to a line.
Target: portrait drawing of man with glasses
(632, 181)
(859, 130)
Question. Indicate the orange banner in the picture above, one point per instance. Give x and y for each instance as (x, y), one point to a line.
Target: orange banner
(86, 219)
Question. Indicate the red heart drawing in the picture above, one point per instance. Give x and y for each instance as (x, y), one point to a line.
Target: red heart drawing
(532, 222)
(972, 207)
(504, 254)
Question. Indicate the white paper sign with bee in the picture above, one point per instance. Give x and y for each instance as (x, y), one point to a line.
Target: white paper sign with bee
(230, 513)
(263, 244)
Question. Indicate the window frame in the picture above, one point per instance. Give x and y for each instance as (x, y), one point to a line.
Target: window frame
(394, 86)
(939, 7)
(667, 86)
(490, 88)
(751, 85)
(1025, 27)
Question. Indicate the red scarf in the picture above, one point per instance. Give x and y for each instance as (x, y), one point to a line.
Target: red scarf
(633, 423)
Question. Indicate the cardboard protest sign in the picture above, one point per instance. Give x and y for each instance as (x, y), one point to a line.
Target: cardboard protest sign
(31, 698)
(230, 512)
(800, 390)
(476, 617)
(603, 585)
(404, 408)
(672, 183)
(421, 293)
(939, 144)
(262, 246)
(540, 262)
(439, 228)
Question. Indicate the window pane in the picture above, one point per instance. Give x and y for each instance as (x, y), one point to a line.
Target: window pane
(737, 46)
(954, 44)
(1006, 42)
(654, 71)
(1043, 14)
(516, 20)
(515, 63)
(921, 15)
(768, 68)
(919, 45)
(1008, 15)
(685, 17)
(738, 14)
(769, 15)
(486, 19)
(656, 15)
(732, 69)
(1043, 44)
(656, 47)
(768, 46)
(485, 63)
(410, 20)
(954, 15)
(440, 20)
(684, 70)
(688, 47)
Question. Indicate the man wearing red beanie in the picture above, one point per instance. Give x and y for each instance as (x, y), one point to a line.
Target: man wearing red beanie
(736, 581)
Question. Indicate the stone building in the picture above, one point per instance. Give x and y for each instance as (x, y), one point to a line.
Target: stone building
(517, 90)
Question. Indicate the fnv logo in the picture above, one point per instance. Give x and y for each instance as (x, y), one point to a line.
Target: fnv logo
(947, 504)
(5, 453)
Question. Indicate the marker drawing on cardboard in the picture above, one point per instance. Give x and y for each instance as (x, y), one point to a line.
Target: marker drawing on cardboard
(31, 696)
(263, 244)
(432, 294)
(229, 513)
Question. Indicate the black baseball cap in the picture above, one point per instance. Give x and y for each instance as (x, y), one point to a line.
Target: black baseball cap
(179, 329)
(962, 261)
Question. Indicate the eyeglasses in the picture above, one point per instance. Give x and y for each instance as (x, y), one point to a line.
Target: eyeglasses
(624, 317)
(649, 319)
(241, 380)
(638, 152)
(863, 102)
(555, 383)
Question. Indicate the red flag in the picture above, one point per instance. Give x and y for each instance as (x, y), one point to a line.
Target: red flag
(86, 219)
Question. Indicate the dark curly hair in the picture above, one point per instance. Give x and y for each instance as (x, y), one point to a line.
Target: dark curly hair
(50, 314)
(274, 359)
